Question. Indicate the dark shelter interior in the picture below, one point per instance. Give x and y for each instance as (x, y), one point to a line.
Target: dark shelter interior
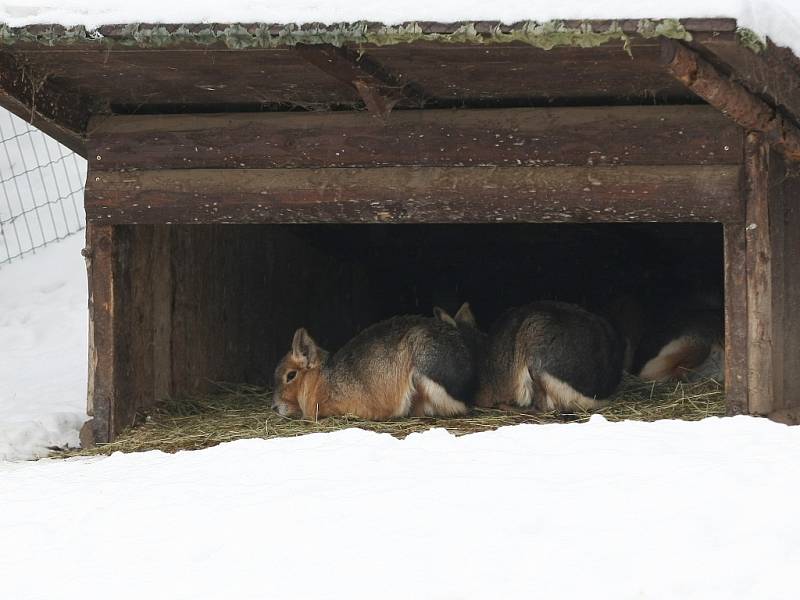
(240, 291)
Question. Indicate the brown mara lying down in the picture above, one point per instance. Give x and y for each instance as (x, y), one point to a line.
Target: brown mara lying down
(544, 356)
(406, 365)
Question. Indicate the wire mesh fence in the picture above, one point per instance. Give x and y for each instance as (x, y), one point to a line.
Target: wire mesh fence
(41, 189)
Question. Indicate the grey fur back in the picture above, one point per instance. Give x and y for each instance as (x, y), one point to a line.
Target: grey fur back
(438, 351)
(572, 344)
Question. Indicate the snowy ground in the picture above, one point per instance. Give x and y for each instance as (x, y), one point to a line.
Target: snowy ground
(620, 511)
(43, 350)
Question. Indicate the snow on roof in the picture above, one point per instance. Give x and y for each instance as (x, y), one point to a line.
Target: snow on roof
(777, 19)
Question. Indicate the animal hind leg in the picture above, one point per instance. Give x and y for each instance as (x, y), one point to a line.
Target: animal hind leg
(432, 400)
(561, 396)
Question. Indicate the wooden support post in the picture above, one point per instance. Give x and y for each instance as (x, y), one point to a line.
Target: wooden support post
(99, 253)
(731, 98)
(736, 319)
(789, 182)
(764, 227)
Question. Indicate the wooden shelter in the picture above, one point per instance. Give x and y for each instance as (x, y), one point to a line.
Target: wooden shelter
(213, 151)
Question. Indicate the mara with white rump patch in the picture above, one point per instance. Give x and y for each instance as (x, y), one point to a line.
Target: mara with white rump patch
(687, 344)
(550, 356)
(406, 365)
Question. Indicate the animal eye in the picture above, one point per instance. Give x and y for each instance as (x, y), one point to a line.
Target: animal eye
(290, 375)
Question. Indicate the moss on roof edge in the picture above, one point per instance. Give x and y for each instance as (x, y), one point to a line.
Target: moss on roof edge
(545, 35)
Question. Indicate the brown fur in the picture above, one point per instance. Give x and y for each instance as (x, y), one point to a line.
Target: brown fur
(383, 373)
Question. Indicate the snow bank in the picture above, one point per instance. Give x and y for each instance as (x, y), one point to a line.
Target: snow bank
(600, 510)
(779, 19)
(43, 350)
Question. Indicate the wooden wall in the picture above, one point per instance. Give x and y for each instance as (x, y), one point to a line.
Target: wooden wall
(176, 308)
(603, 164)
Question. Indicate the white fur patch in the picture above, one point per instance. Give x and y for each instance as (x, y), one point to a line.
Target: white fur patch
(437, 402)
(282, 409)
(523, 391)
(662, 365)
(563, 397)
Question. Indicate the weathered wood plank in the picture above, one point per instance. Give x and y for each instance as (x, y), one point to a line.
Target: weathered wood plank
(759, 280)
(790, 324)
(33, 98)
(205, 79)
(733, 99)
(736, 315)
(645, 135)
(764, 231)
(99, 252)
(417, 194)
(379, 89)
(161, 284)
(239, 294)
(767, 73)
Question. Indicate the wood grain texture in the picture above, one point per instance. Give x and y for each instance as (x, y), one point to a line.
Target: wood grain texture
(790, 326)
(30, 94)
(101, 395)
(203, 79)
(732, 98)
(736, 320)
(764, 260)
(769, 73)
(642, 135)
(416, 195)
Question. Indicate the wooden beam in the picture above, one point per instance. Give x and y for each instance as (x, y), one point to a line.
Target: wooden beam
(102, 272)
(789, 181)
(34, 98)
(736, 319)
(764, 261)
(624, 135)
(768, 74)
(417, 195)
(731, 98)
(379, 89)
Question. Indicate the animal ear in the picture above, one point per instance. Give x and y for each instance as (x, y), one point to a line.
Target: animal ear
(464, 315)
(305, 349)
(443, 316)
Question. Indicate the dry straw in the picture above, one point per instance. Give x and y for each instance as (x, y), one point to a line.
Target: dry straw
(237, 412)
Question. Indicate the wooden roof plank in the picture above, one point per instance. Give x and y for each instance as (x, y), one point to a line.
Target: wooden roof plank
(33, 98)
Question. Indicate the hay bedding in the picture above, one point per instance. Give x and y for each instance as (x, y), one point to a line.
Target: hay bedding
(237, 412)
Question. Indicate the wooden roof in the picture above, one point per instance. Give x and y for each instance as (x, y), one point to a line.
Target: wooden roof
(58, 77)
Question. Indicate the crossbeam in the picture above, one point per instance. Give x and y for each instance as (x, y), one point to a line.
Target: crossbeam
(733, 99)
